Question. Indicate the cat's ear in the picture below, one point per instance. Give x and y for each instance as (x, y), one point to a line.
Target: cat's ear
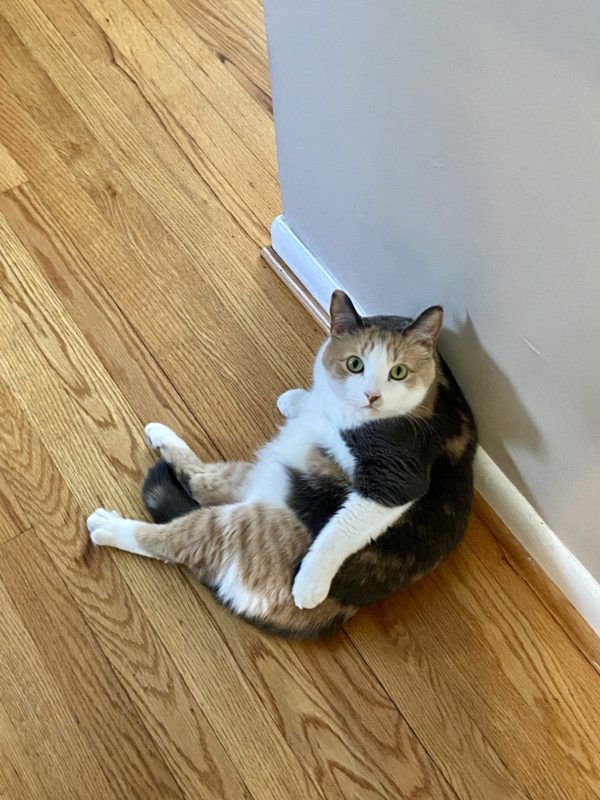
(344, 317)
(427, 326)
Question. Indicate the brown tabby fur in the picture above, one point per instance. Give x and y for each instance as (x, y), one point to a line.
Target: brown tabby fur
(268, 542)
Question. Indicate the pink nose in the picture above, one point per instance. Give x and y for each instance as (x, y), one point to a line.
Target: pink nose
(372, 397)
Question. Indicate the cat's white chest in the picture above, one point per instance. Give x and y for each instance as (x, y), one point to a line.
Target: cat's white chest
(290, 450)
(330, 439)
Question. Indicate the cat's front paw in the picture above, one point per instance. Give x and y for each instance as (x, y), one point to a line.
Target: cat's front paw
(159, 435)
(290, 403)
(310, 588)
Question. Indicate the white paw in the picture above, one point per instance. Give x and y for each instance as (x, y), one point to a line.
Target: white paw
(309, 588)
(104, 526)
(290, 403)
(158, 435)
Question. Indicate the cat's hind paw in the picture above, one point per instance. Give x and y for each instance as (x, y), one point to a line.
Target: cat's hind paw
(159, 435)
(104, 526)
(110, 529)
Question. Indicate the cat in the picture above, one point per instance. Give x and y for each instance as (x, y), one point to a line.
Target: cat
(365, 488)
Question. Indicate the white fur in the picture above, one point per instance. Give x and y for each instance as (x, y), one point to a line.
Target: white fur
(159, 435)
(269, 480)
(355, 525)
(290, 403)
(232, 591)
(109, 529)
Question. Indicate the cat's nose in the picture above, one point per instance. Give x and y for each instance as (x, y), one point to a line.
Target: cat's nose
(372, 397)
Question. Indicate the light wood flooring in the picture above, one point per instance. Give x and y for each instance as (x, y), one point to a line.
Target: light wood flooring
(137, 183)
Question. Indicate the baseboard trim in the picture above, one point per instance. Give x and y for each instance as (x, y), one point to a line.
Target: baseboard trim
(313, 283)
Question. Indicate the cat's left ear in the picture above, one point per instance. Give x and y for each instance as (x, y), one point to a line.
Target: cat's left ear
(427, 326)
(344, 317)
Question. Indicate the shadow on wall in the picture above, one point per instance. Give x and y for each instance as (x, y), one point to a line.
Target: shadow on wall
(472, 364)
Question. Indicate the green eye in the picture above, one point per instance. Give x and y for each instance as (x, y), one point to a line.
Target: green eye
(398, 372)
(355, 364)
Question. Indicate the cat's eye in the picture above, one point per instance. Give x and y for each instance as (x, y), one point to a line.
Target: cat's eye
(355, 364)
(398, 372)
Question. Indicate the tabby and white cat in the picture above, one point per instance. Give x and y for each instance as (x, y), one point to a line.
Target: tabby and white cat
(365, 488)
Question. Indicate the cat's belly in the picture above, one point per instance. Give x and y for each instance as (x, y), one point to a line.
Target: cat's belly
(291, 451)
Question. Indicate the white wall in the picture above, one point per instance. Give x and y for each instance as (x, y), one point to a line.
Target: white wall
(450, 152)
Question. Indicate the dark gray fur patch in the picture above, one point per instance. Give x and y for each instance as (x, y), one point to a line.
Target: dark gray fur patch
(164, 496)
(393, 460)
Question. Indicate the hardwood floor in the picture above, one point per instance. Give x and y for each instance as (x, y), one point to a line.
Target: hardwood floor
(137, 184)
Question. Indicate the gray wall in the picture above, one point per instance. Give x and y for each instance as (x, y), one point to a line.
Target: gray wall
(450, 152)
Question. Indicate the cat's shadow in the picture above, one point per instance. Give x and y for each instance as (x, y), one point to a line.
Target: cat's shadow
(501, 416)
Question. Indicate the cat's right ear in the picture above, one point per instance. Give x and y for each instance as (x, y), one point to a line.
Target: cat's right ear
(344, 317)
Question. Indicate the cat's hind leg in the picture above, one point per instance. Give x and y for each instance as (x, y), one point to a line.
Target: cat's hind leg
(255, 546)
(246, 552)
(208, 484)
(110, 529)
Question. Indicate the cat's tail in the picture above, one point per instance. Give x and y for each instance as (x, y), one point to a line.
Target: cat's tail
(163, 495)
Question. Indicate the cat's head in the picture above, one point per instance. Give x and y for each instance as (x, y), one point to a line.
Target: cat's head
(379, 366)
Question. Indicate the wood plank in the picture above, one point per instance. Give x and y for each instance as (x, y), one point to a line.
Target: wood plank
(244, 108)
(174, 722)
(171, 299)
(11, 174)
(108, 471)
(551, 683)
(565, 614)
(18, 775)
(203, 150)
(130, 364)
(13, 519)
(177, 732)
(106, 718)
(37, 708)
(352, 746)
(235, 31)
(192, 121)
(471, 680)
(165, 315)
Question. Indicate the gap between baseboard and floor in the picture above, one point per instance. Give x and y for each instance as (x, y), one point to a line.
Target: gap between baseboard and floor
(530, 543)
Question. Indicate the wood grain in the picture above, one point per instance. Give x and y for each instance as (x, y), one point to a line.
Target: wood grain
(13, 519)
(474, 669)
(565, 614)
(70, 429)
(11, 174)
(91, 690)
(131, 288)
(329, 706)
(38, 711)
(169, 715)
(175, 338)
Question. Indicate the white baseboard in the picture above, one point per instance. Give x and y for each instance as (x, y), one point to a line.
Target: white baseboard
(317, 278)
(542, 544)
